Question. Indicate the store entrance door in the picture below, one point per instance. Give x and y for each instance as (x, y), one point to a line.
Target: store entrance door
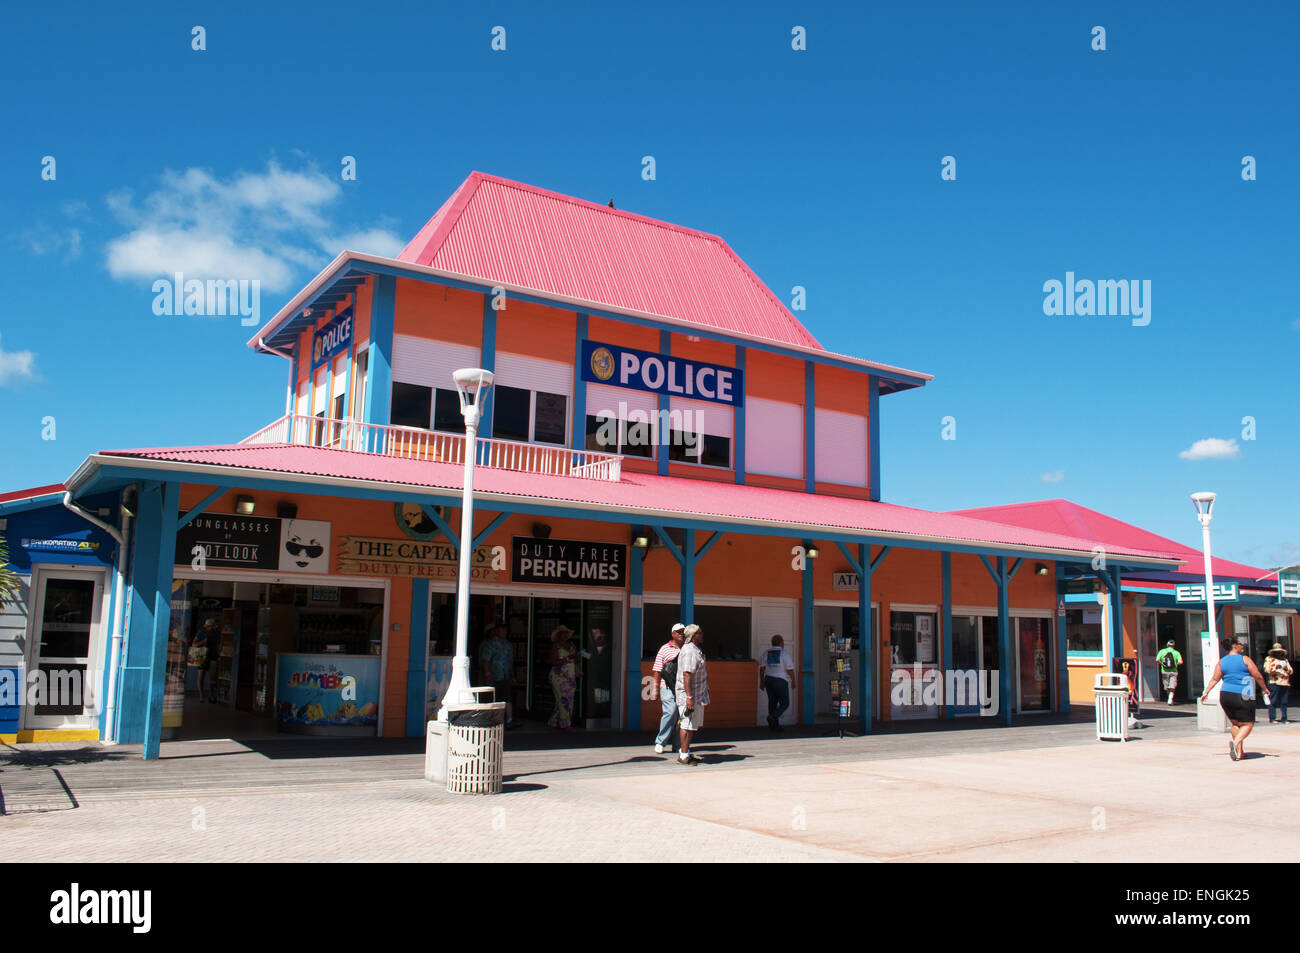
(1171, 626)
(65, 637)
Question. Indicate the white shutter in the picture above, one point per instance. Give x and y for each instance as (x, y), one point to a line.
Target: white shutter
(707, 416)
(340, 380)
(430, 363)
(841, 448)
(320, 389)
(603, 397)
(534, 373)
(304, 389)
(773, 438)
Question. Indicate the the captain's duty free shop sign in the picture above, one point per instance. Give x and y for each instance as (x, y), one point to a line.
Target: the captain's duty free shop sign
(567, 562)
(662, 374)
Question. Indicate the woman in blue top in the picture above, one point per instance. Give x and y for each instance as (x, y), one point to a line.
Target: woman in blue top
(1237, 697)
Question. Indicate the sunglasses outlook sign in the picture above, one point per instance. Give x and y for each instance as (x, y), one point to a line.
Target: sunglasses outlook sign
(661, 374)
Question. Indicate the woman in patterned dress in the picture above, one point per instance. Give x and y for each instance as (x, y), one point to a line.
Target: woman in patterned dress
(564, 677)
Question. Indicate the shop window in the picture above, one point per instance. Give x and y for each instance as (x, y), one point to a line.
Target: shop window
(530, 416)
(726, 630)
(410, 407)
(1083, 631)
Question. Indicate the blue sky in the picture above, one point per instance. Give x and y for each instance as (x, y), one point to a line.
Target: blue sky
(820, 167)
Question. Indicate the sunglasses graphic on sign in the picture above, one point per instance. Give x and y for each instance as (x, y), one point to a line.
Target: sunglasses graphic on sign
(305, 545)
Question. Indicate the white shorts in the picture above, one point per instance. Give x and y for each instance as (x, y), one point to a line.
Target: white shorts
(694, 721)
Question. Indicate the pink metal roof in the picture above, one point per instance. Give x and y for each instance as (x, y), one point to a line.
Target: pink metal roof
(32, 493)
(1062, 516)
(499, 230)
(637, 493)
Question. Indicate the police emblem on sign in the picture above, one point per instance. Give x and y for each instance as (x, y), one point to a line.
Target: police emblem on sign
(602, 363)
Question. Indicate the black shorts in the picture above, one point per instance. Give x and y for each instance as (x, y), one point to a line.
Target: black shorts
(1236, 707)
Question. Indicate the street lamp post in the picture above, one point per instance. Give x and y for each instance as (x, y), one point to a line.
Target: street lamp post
(1211, 719)
(472, 385)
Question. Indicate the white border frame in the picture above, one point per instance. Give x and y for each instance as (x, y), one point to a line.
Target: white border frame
(94, 680)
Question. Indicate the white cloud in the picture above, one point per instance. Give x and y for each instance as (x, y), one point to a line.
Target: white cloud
(373, 241)
(265, 225)
(16, 366)
(1211, 448)
(1053, 476)
(44, 239)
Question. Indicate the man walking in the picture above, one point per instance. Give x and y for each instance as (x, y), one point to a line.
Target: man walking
(664, 674)
(692, 690)
(1168, 661)
(775, 672)
(497, 656)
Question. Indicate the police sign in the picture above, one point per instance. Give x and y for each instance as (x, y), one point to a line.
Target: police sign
(662, 374)
(334, 338)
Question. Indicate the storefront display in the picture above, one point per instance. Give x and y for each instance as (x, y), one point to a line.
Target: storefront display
(327, 694)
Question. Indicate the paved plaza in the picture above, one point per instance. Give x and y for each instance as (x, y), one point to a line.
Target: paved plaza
(1037, 791)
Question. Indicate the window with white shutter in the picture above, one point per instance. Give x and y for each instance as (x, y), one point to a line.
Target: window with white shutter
(841, 448)
(774, 438)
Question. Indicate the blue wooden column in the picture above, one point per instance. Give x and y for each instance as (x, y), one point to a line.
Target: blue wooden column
(687, 556)
(949, 710)
(488, 361)
(862, 564)
(738, 431)
(635, 639)
(665, 405)
(144, 671)
(417, 699)
(1062, 652)
(808, 665)
(578, 438)
(1116, 616)
(1002, 578)
(379, 374)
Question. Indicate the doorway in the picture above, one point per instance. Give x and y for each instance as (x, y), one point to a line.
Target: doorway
(1171, 626)
(66, 636)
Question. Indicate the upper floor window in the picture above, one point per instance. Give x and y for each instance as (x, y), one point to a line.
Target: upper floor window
(530, 415)
(415, 405)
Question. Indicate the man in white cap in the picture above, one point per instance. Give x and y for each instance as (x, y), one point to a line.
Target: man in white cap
(692, 689)
(664, 674)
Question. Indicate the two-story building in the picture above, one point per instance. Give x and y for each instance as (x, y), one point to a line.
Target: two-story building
(664, 440)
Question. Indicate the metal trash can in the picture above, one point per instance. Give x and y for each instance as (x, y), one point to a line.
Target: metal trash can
(475, 740)
(1110, 692)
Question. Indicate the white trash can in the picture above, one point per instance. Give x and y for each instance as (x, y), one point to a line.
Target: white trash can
(475, 736)
(1110, 693)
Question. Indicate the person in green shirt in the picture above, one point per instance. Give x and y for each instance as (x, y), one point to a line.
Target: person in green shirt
(1169, 661)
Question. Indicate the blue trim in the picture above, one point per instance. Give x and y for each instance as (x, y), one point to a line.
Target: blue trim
(809, 426)
(34, 503)
(635, 647)
(989, 566)
(1005, 700)
(854, 564)
(452, 536)
(873, 437)
(688, 576)
(489, 529)
(1011, 574)
(578, 437)
(1116, 614)
(670, 545)
(291, 406)
(708, 544)
(866, 642)
(202, 506)
(379, 372)
(418, 659)
(488, 361)
(880, 557)
(356, 268)
(665, 405)
(808, 677)
(1062, 666)
(738, 431)
(945, 570)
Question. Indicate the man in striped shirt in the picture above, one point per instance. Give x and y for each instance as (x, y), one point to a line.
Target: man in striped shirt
(664, 683)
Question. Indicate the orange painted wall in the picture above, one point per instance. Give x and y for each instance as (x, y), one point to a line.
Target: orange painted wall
(708, 352)
(840, 389)
(431, 311)
(773, 377)
(361, 329)
(620, 332)
(537, 331)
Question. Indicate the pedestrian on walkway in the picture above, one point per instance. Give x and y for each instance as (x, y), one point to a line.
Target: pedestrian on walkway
(692, 690)
(1168, 660)
(1237, 697)
(1278, 670)
(564, 677)
(775, 673)
(664, 675)
(497, 656)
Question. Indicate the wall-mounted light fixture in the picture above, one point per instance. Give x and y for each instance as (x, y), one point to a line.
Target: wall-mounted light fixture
(245, 506)
(1040, 569)
(813, 552)
(541, 531)
(286, 510)
(641, 540)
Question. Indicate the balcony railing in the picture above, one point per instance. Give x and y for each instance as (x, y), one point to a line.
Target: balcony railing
(415, 444)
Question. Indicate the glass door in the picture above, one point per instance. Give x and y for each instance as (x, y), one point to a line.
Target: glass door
(65, 638)
(1035, 668)
(914, 677)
